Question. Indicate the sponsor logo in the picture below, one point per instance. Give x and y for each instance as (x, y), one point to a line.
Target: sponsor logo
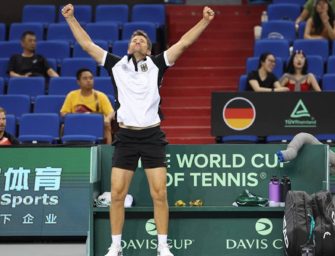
(239, 113)
(264, 227)
(150, 227)
(300, 117)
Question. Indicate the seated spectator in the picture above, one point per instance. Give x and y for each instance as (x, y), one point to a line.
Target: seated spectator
(297, 79)
(262, 79)
(321, 24)
(28, 63)
(87, 100)
(6, 139)
(309, 10)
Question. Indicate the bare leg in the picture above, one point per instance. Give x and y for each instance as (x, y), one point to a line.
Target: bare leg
(120, 181)
(157, 183)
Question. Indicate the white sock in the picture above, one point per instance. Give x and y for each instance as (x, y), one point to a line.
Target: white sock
(162, 239)
(116, 239)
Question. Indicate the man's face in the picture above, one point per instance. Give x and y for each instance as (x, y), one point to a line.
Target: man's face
(139, 44)
(2, 121)
(86, 80)
(29, 43)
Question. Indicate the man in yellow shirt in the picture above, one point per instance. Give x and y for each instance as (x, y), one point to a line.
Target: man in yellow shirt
(88, 100)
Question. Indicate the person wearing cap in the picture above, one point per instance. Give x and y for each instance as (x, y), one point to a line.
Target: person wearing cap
(6, 139)
(321, 24)
(308, 11)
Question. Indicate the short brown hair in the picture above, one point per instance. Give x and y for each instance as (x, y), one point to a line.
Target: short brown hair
(145, 35)
(2, 110)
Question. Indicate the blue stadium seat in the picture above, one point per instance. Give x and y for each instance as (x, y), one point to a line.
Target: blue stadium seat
(2, 31)
(54, 49)
(328, 82)
(8, 48)
(104, 84)
(281, 27)
(117, 13)
(112, 100)
(70, 66)
(16, 30)
(239, 139)
(78, 52)
(299, 2)
(242, 86)
(44, 14)
(148, 27)
(301, 30)
(83, 128)
(313, 47)
(331, 65)
(252, 64)
(62, 85)
(315, 66)
(31, 86)
(149, 13)
(36, 128)
(10, 124)
(15, 104)
(120, 47)
(279, 48)
(48, 103)
(4, 67)
(52, 63)
(279, 138)
(83, 13)
(60, 31)
(103, 31)
(283, 11)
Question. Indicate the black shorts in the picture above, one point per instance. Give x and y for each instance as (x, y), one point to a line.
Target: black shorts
(147, 144)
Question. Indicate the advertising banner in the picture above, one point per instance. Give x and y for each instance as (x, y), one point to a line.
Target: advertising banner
(217, 175)
(45, 191)
(272, 113)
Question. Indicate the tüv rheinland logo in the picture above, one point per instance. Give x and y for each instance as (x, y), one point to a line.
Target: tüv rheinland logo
(150, 242)
(300, 117)
(259, 239)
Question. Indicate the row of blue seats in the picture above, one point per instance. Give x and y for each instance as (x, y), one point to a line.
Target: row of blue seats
(286, 138)
(298, 2)
(112, 13)
(67, 67)
(327, 83)
(34, 86)
(19, 105)
(281, 47)
(282, 29)
(315, 65)
(284, 11)
(45, 128)
(109, 32)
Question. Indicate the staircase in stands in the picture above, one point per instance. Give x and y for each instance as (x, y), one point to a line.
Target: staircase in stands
(213, 64)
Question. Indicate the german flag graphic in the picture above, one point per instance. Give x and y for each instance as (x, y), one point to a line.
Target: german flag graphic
(239, 113)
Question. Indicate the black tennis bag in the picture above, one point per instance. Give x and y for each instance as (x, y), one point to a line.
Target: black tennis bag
(324, 214)
(309, 224)
(297, 223)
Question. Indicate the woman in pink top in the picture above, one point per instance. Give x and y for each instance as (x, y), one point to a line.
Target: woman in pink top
(297, 79)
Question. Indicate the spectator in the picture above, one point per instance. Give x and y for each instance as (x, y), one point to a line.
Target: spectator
(309, 10)
(297, 79)
(321, 24)
(262, 79)
(28, 63)
(87, 100)
(6, 139)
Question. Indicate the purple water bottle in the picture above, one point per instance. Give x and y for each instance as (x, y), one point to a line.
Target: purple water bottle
(274, 192)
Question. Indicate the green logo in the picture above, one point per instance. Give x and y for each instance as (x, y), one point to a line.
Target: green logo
(300, 110)
(150, 227)
(264, 226)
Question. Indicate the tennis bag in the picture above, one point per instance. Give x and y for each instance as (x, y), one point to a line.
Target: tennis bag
(309, 224)
(324, 215)
(297, 223)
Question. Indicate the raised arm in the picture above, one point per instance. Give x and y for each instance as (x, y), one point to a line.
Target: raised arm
(190, 36)
(81, 36)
